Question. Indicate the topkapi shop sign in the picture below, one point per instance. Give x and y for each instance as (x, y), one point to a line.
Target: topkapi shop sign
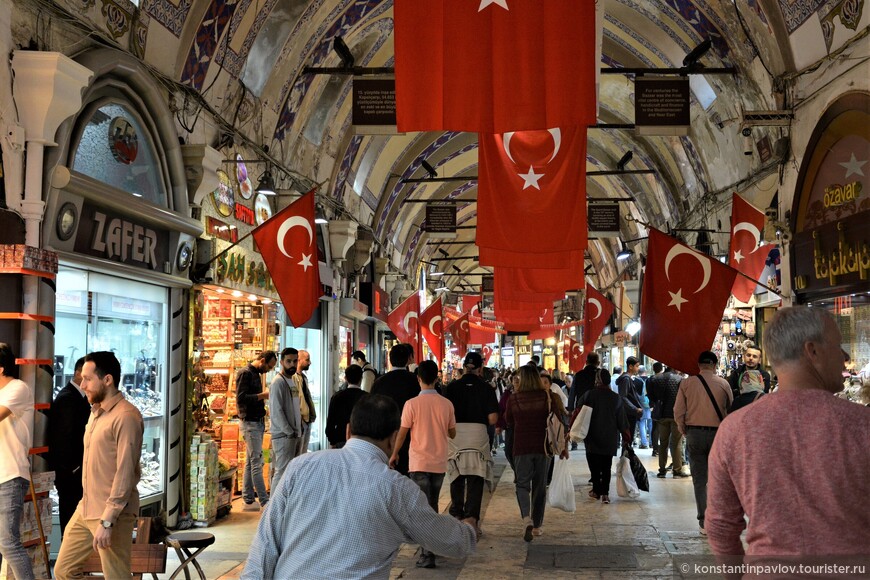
(119, 239)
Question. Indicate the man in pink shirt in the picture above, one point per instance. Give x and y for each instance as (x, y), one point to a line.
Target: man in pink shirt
(795, 462)
(430, 419)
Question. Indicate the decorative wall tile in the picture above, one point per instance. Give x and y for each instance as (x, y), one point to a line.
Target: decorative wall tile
(117, 18)
(139, 35)
(172, 17)
(210, 32)
(796, 12)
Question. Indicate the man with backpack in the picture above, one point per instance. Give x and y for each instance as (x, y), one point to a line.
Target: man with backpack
(369, 374)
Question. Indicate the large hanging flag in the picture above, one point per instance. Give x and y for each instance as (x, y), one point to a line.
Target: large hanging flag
(431, 327)
(471, 304)
(598, 311)
(574, 355)
(684, 296)
(532, 184)
(539, 261)
(492, 66)
(289, 248)
(747, 254)
(529, 281)
(487, 353)
(403, 321)
(460, 330)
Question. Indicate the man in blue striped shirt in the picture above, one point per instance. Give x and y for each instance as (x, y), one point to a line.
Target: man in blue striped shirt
(343, 513)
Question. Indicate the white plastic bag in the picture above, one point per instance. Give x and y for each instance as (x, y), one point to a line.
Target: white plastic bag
(561, 492)
(580, 427)
(625, 484)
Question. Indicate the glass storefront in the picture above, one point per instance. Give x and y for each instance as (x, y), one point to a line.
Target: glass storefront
(852, 313)
(97, 312)
(312, 341)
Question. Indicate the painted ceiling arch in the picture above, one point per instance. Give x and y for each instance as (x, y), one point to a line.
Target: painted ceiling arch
(263, 47)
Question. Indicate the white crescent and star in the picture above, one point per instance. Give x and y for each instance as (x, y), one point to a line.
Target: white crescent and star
(464, 325)
(433, 321)
(288, 224)
(575, 348)
(853, 166)
(475, 310)
(408, 317)
(677, 299)
(597, 305)
(531, 178)
(485, 3)
(756, 235)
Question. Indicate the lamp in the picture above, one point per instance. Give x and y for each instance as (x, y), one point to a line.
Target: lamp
(620, 165)
(319, 217)
(695, 55)
(625, 253)
(429, 169)
(343, 52)
(267, 183)
(633, 327)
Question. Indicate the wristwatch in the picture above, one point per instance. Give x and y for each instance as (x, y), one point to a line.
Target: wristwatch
(106, 524)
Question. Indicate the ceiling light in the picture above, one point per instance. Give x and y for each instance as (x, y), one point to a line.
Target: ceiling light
(267, 184)
(220, 290)
(237, 293)
(267, 300)
(252, 297)
(442, 289)
(436, 273)
(625, 253)
(320, 220)
(632, 328)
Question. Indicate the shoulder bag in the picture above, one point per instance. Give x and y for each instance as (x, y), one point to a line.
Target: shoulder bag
(712, 398)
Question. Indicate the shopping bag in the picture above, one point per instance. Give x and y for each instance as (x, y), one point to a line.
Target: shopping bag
(561, 492)
(638, 470)
(625, 484)
(580, 426)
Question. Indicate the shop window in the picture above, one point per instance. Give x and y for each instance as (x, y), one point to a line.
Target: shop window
(96, 313)
(116, 149)
(312, 340)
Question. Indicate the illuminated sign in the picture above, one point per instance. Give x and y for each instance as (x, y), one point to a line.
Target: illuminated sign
(234, 267)
(842, 194)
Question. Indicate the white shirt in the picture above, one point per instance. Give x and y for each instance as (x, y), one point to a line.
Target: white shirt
(558, 390)
(16, 431)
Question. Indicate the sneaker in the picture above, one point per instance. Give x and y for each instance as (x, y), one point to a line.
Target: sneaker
(251, 507)
(605, 499)
(426, 561)
(643, 447)
(669, 467)
(527, 535)
(655, 453)
(681, 474)
(662, 474)
(702, 531)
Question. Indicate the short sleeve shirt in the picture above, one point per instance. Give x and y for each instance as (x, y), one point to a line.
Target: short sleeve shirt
(429, 416)
(473, 399)
(16, 431)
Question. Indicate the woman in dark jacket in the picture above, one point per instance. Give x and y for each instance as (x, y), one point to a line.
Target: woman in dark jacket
(527, 413)
(608, 421)
(501, 425)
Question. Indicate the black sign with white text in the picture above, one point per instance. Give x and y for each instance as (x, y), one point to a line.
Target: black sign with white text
(374, 102)
(119, 239)
(661, 102)
(440, 217)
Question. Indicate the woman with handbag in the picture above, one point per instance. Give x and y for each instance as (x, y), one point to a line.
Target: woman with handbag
(527, 413)
(608, 421)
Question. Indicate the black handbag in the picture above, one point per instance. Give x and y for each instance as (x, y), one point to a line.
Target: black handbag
(638, 470)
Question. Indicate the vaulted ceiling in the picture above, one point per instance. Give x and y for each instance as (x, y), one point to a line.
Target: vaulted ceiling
(246, 59)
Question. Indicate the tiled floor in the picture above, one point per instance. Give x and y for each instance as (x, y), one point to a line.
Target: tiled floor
(626, 539)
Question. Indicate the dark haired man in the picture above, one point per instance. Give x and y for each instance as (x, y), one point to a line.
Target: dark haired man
(750, 378)
(285, 417)
(400, 385)
(110, 503)
(306, 402)
(361, 514)
(470, 458)
(67, 419)
(369, 374)
(16, 438)
(430, 420)
(663, 388)
(250, 398)
(627, 389)
(341, 405)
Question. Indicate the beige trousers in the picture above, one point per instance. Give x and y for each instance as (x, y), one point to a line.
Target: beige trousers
(77, 546)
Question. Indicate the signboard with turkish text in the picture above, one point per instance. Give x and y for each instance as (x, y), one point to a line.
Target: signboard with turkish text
(661, 106)
(104, 234)
(374, 106)
(440, 219)
(833, 257)
(603, 220)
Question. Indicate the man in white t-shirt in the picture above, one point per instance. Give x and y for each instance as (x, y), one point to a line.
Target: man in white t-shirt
(16, 438)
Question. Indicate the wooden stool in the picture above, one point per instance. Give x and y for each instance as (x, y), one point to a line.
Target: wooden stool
(183, 542)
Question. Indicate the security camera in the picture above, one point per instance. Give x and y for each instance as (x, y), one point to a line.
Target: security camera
(747, 140)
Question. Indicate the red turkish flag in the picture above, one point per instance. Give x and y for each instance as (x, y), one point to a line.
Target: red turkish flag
(492, 66)
(548, 324)
(598, 311)
(537, 261)
(288, 244)
(403, 321)
(461, 332)
(574, 355)
(487, 353)
(480, 336)
(471, 305)
(431, 327)
(747, 255)
(532, 177)
(684, 295)
(528, 282)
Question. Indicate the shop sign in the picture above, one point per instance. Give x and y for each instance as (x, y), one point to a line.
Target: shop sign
(377, 300)
(507, 351)
(621, 338)
(834, 255)
(234, 267)
(837, 195)
(128, 306)
(524, 349)
(106, 235)
(246, 215)
(223, 197)
(537, 348)
(222, 230)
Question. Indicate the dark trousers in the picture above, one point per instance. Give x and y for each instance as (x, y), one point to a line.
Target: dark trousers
(69, 492)
(509, 449)
(531, 487)
(654, 436)
(466, 496)
(699, 442)
(430, 485)
(599, 465)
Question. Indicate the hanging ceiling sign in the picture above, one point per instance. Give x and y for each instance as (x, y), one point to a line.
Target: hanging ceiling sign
(374, 106)
(487, 284)
(661, 106)
(603, 220)
(440, 219)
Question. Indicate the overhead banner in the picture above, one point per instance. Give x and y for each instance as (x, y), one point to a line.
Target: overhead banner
(374, 106)
(440, 219)
(603, 220)
(661, 106)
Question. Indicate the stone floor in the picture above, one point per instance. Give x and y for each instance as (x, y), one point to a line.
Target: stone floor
(625, 539)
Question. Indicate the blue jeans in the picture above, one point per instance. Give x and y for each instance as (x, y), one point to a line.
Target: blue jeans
(11, 507)
(430, 484)
(253, 479)
(645, 427)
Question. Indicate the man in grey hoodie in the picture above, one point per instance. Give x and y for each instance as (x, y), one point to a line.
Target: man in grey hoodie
(284, 411)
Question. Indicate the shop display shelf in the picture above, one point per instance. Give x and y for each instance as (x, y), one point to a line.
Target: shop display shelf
(28, 272)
